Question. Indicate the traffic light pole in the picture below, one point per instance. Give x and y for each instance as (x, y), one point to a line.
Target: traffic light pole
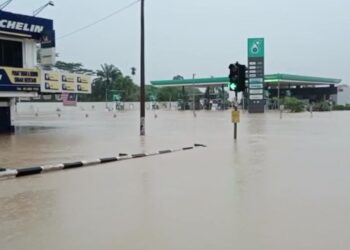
(237, 83)
(235, 124)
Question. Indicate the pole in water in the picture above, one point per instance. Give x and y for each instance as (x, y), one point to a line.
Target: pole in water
(281, 110)
(235, 131)
(235, 124)
(142, 73)
(311, 107)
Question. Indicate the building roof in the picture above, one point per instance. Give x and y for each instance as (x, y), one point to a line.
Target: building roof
(272, 79)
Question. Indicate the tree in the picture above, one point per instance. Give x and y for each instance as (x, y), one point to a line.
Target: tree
(170, 94)
(106, 75)
(129, 90)
(178, 77)
(108, 72)
(109, 81)
(73, 67)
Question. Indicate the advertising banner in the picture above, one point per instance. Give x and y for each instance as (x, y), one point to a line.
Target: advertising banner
(68, 82)
(83, 83)
(35, 80)
(69, 99)
(58, 82)
(19, 79)
(50, 82)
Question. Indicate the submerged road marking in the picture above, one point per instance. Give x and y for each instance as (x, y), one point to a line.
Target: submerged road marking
(12, 173)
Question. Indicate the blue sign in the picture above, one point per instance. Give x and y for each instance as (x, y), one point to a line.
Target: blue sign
(22, 24)
(19, 79)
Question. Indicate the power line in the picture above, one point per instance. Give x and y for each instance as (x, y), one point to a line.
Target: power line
(100, 20)
(3, 5)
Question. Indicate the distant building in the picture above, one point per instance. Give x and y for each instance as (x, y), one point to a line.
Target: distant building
(308, 88)
(343, 96)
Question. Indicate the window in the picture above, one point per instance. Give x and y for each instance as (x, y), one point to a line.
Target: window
(11, 53)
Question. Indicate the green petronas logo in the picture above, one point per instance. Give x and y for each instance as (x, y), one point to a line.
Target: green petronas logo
(255, 49)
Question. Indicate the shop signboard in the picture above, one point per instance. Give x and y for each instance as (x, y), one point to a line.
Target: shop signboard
(50, 82)
(68, 82)
(19, 79)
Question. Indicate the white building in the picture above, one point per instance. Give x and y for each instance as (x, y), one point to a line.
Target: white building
(19, 76)
(343, 96)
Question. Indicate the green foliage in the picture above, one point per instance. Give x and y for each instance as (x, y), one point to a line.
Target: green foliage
(151, 93)
(339, 107)
(342, 107)
(178, 77)
(108, 73)
(73, 67)
(167, 94)
(293, 104)
(322, 106)
(110, 81)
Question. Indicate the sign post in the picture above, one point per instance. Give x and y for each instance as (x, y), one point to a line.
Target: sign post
(235, 118)
(256, 72)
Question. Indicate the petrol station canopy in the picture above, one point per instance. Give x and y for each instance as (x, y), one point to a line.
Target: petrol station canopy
(270, 80)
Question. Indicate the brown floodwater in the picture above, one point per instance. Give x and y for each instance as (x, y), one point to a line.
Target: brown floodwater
(283, 185)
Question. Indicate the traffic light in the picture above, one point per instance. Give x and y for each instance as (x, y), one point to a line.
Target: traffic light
(233, 76)
(241, 78)
(133, 71)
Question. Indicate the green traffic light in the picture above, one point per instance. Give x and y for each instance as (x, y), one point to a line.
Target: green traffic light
(232, 86)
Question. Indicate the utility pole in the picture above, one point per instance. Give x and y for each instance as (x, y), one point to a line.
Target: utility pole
(106, 91)
(142, 71)
(193, 98)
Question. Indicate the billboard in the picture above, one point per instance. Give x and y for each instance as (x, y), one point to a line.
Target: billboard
(50, 82)
(83, 83)
(57, 82)
(19, 79)
(68, 82)
(35, 80)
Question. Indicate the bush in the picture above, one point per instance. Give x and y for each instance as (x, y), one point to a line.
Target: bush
(322, 106)
(339, 107)
(294, 104)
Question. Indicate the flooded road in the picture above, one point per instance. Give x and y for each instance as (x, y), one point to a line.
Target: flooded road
(283, 185)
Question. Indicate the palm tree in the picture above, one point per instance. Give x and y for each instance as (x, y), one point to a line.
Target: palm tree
(108, 74)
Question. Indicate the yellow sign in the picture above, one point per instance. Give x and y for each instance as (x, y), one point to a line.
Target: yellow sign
(56, 82)
(22, 76)
(235, 117)
(68, 82)
(51, 81)
(83, 83)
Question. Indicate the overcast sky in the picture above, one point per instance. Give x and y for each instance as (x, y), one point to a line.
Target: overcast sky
(308, 37)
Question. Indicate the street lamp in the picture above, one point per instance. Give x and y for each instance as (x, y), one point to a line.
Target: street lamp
(3, 5)
(37, 11)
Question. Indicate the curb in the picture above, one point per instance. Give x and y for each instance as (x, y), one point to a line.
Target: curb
(13, 173)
